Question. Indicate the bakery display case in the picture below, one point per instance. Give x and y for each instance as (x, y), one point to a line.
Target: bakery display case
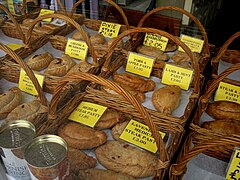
(145, 100)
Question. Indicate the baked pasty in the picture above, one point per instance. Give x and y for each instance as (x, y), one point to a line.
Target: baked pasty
(27, 111)
(118, 129)
(39, 62)
(97, 39)
(153, 52)
(78, 36)
(100, 174)
(81, 137)
(79, 160)
(9, 100)
(119, 44)
(224, 126)
(60, 66)
(121, 157)
(83, 66)
(224, 110)
(182, 56)
(170, 47)
(167, 98)
(134, 82)
(109, 118)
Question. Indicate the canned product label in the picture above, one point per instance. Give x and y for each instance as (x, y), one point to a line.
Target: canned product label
(16, 167)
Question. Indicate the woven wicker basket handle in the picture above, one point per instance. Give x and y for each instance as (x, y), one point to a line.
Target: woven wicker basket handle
(180, 168)
(110, 84)
(205, 98)
(196, 78)
(225, 47)
(71, 21)
(29, 72)
(196, 21)
(18, 28)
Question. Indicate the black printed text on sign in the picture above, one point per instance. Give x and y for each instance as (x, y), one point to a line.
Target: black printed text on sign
(234, 167)
(194, 44)
(109, 29)
(155, 40)
(76, 49)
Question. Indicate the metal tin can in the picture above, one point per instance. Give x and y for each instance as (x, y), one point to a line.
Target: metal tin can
(14, 137)
(47, 159)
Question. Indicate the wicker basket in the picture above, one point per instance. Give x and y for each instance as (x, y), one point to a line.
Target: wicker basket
(205, 55)
(10, 70)
(108, 69)
(225, 55)
(202, 134)
(59, 115)
(59, 42)
(178, 169)
(42, 117)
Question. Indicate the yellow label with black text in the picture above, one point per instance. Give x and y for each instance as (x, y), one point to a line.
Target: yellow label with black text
(194, 44)
(87, 113)
(139, 64)
(76, 49)
(234, 167)
(109, 29)
(11, 6)
(14, 46)
(26, 85)
(155, 40)
(227, 92)
(140, 135)
(46, 11)
(174, 75)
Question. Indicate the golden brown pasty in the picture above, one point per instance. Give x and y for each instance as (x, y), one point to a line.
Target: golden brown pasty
(27, 111)
(167, 98)
(118, 129)
(109, 118)
(134, 82)
(153, 52)
(182, 56)
(83, 66)
(223, 126)
(121, 157)
(78, 36)
(9, 100)
(170, 47)
(39, 62)
(224, 110)
(81, 137)
(97, 39)
(119, 44)
(28, 22)
(100, 174)
(60, 66)
(79, 160)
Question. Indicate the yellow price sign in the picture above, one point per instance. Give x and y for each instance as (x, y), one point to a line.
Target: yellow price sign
(194, 44)
(14, 46)
(46, 11)
(11, 6)
(174, 75)
(109, 29)
(155, 40)
(140, 64)
(87, 113)
(234, 167)
(26, 85)
(76, 49)
(227, 92)
(140, 135)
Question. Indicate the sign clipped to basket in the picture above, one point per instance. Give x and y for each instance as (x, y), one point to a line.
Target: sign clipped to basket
(87, 113)
(109, 29)
(26, 85)
(76, 49)
(140, 64)
(194, 44)
(46, 11)
(14, 46)
(174, 75)
(227, 92)
(155, 40)
(233, 171)
(140, 135)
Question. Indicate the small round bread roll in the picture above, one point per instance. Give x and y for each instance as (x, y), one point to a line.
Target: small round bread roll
(119, 44)
(97, 39)
(78, 36)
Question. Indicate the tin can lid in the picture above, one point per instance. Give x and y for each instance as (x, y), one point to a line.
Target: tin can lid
(16, 133)
(46, 151)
